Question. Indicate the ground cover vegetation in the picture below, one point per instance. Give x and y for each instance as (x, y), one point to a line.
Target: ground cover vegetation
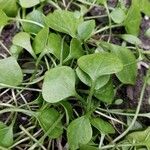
(74, 74)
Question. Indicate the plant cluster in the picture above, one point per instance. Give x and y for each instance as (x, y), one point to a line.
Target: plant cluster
(73, 73)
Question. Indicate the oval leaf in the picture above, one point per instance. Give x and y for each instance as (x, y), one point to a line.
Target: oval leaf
(99, 64)
(76, 50)
(28, 4)
(22, 39)
(103, 126)
(140, 137)
(59, 83)
(79, 132)
(133, 19)
(64, 21)
(10, 72)
(131, 39)
(47, 117)
(6, 135)
(35, 16)
(145, 5)
(40, 40)
(54, 46)
(101, 81)
(10, 7)
(3, 18)
(129, 72)
(118, 15)
(106, 93)
(85, 29)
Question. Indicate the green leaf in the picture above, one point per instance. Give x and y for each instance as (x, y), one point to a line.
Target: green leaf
(76, 50)
(6, 135)
(40, 41)
(22, 39)
(147, 33)
(106, 93)
(4, 19)
(54, 46)
(85, 29)
(35, 16)
(47, 117)
(10, 7)
(133, 19)
(118, 15)
(129, 72)
(131, 39)
(79, 132)
(101, 81)
(10, 72)
(59, 83)
(103, 126)
(15, 51)
(28, 4)
(145, 5)
(99, 64)
(140, 137)
(64, 21)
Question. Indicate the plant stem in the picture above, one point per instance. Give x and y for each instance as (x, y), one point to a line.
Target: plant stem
(109, 117)
(61, 53)
(107, 27)
(89, 98)
(135, 117)
(28, 21)
(80, 98)
(27, 112)
(22, 88)
(120, 145)
(34, 139)
(119, 112)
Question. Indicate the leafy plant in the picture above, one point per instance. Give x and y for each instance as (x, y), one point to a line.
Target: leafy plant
(64, 74)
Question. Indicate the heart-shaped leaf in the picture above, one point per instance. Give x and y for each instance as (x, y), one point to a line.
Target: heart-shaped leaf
(99, 64)
(129, 72)
(10, 72)
(6, 135)
(103, 126)
(85, 29)
(64, 21)
(101, 81)
(40, 40)
(47, 117)
(59, 83)
(22, 39)
(79, 132)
